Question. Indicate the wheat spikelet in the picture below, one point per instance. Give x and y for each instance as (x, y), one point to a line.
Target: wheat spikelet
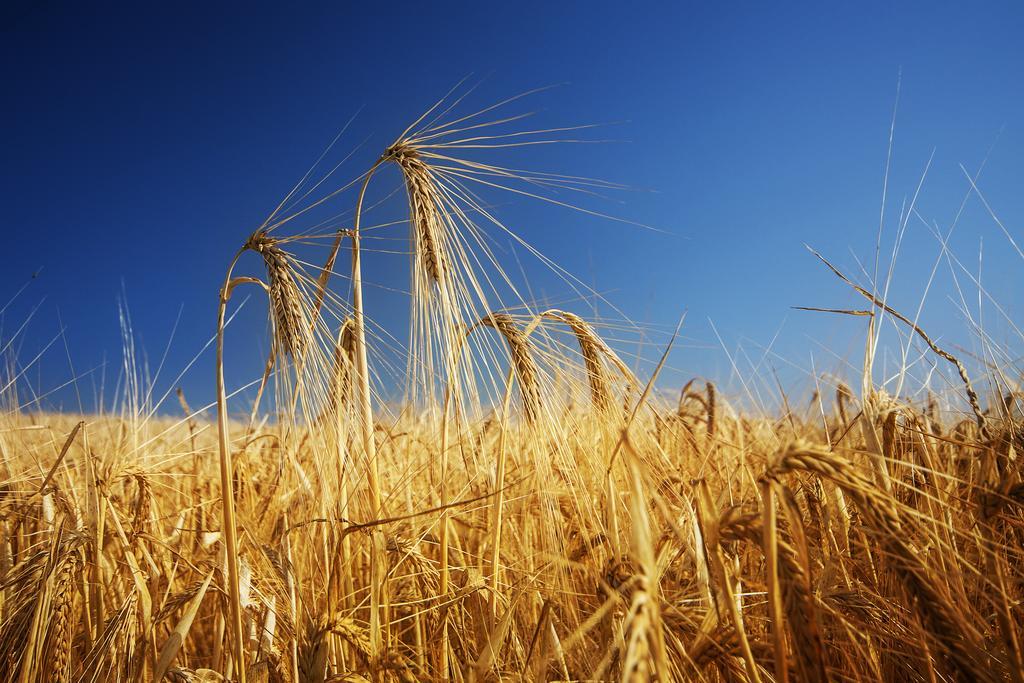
(352, 633)
(522, 360)
(180, 675)
(737, 524)
(710, 388)
(422, 569)
(61, 619)
(312, 651)
(637, 666)
(291, 329)
(708, 648)
(271, 667)
(580, 546)
(359, 638)
(801, 608)
(592, 348)
(424, 211)
(176, 601)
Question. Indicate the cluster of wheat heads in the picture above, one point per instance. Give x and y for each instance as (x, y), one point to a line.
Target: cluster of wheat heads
(764, 550)
(532, 512)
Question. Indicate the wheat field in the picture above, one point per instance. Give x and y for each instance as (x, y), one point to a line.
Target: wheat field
(531, 510)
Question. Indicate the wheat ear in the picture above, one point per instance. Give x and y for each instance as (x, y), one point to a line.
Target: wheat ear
(593, 348)
(522, 360)
(426, 218)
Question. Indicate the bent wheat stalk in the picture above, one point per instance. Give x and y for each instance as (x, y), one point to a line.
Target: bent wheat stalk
(292, 335)
(227, 493)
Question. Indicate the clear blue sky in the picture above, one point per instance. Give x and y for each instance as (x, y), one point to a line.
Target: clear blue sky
(141, 145)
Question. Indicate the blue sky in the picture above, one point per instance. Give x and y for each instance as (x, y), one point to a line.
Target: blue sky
(141, 146)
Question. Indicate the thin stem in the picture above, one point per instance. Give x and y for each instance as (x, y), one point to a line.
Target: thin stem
(443, 495)
(365, 407)
(362, 366)
(770, 543)
(259, 393)
(499, 499)
(455, 353)
(227, 493)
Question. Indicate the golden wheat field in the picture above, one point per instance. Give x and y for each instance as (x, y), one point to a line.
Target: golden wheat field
(532, 510)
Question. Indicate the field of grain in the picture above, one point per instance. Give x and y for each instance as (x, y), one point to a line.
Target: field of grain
(532, 511)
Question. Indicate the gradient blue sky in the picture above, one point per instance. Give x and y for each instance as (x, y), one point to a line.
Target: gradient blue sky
(142, 145)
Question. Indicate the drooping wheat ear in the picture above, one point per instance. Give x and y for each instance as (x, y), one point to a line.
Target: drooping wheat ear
(421, 568)
(721, 643)
(800, 602)
(176, 601)
(951, 625)
(522, 360)
(592, 347)
(589, 347)
(313, 660)
(738, 523)
(291, 329)
(355, 634)
(424, 212)
(684, 395)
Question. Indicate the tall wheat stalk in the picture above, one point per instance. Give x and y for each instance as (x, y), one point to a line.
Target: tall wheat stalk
(364, 403)
(227, 493)
(292, 336)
